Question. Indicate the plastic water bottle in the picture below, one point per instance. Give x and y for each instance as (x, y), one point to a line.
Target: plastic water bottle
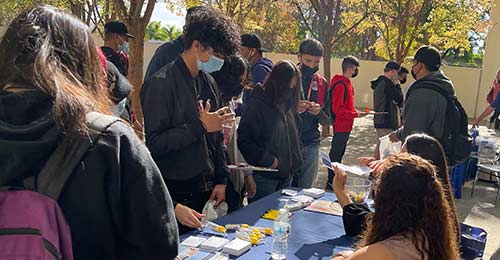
(280, 235)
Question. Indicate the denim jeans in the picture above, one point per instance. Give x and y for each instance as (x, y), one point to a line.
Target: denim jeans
(305, 177)
(266, 185)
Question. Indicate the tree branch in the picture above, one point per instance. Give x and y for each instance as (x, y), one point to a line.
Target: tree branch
(304, 19)
(149, 12)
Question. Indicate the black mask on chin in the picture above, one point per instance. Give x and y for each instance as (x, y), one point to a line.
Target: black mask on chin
(403, 80)
(355, 74)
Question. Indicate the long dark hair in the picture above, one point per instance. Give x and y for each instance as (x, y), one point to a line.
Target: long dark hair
(52, 51)
(430, 149)
(410, 201)
(279, 80)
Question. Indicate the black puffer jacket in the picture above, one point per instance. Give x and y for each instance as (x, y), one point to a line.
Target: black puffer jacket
(115, 202)
(265, 133)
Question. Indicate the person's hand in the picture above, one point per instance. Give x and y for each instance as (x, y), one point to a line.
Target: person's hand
(365, 161)
(218, 194)
(303, 106)
(393, 137)
(339, 180)
(375, 165)
(214, 121)
(314, 108)
(275, 164)
(188, 217)
(250, 186)
(475, 123)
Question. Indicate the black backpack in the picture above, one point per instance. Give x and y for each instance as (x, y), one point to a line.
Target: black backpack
(456, 141)
(327, 116)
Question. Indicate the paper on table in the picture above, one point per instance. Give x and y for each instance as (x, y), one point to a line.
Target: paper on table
(327, 207)
(247, 167)
(356, 169)
(193, 241)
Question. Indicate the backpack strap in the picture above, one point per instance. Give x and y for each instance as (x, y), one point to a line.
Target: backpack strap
(69, 154)
(432, 86)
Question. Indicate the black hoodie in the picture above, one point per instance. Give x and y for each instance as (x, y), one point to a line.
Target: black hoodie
(387, 97)
(115, 202)
(265, 133)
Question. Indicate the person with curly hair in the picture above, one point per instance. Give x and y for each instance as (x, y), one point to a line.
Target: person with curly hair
(412, 216)
(184, 116)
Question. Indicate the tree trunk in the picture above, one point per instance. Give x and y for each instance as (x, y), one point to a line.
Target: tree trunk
(136, 68)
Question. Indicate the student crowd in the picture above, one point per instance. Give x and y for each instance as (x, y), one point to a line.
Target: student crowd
(126, 199)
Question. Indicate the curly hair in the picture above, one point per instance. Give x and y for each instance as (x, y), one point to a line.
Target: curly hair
(212, 29)
(228, 78)
(410, 202)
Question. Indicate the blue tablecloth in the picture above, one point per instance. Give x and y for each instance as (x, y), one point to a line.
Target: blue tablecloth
(313, 235)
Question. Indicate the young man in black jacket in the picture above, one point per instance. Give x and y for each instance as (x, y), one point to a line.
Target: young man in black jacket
(183, 117)
(387, 98)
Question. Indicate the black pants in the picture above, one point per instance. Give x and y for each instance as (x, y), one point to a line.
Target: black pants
(339, 144)
(494, 118)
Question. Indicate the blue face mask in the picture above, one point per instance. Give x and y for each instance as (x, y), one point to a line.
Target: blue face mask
(212, 65)
(123, 47)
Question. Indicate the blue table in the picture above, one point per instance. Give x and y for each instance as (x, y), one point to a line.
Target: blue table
(313, 235)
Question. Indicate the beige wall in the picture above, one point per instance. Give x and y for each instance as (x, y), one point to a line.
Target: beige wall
(491, 61)
(466, 80)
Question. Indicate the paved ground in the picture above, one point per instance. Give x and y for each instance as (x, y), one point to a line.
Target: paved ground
(478, 210)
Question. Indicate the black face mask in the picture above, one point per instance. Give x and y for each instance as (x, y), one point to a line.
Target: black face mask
(413, 74)
(498, 81)
(355, 74)
(403, 80)
(308, 71)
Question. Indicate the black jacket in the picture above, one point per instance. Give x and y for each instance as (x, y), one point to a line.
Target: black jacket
(117, 59)
(115, 202)
(175, 135)
(165, 54)
(387, 97)
(266, 133)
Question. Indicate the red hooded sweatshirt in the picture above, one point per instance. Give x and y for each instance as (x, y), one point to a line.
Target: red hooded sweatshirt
(345, 112)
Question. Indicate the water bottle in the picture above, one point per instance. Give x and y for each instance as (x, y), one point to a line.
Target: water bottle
(280, 235)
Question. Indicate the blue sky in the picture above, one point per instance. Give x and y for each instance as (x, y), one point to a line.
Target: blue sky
(163, 15)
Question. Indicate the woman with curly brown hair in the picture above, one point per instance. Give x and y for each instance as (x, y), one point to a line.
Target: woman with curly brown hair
(412, 217)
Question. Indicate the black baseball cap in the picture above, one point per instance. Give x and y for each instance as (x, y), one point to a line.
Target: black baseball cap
(392, 65)
(252, 40)
(429, 56)
(117, 27)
